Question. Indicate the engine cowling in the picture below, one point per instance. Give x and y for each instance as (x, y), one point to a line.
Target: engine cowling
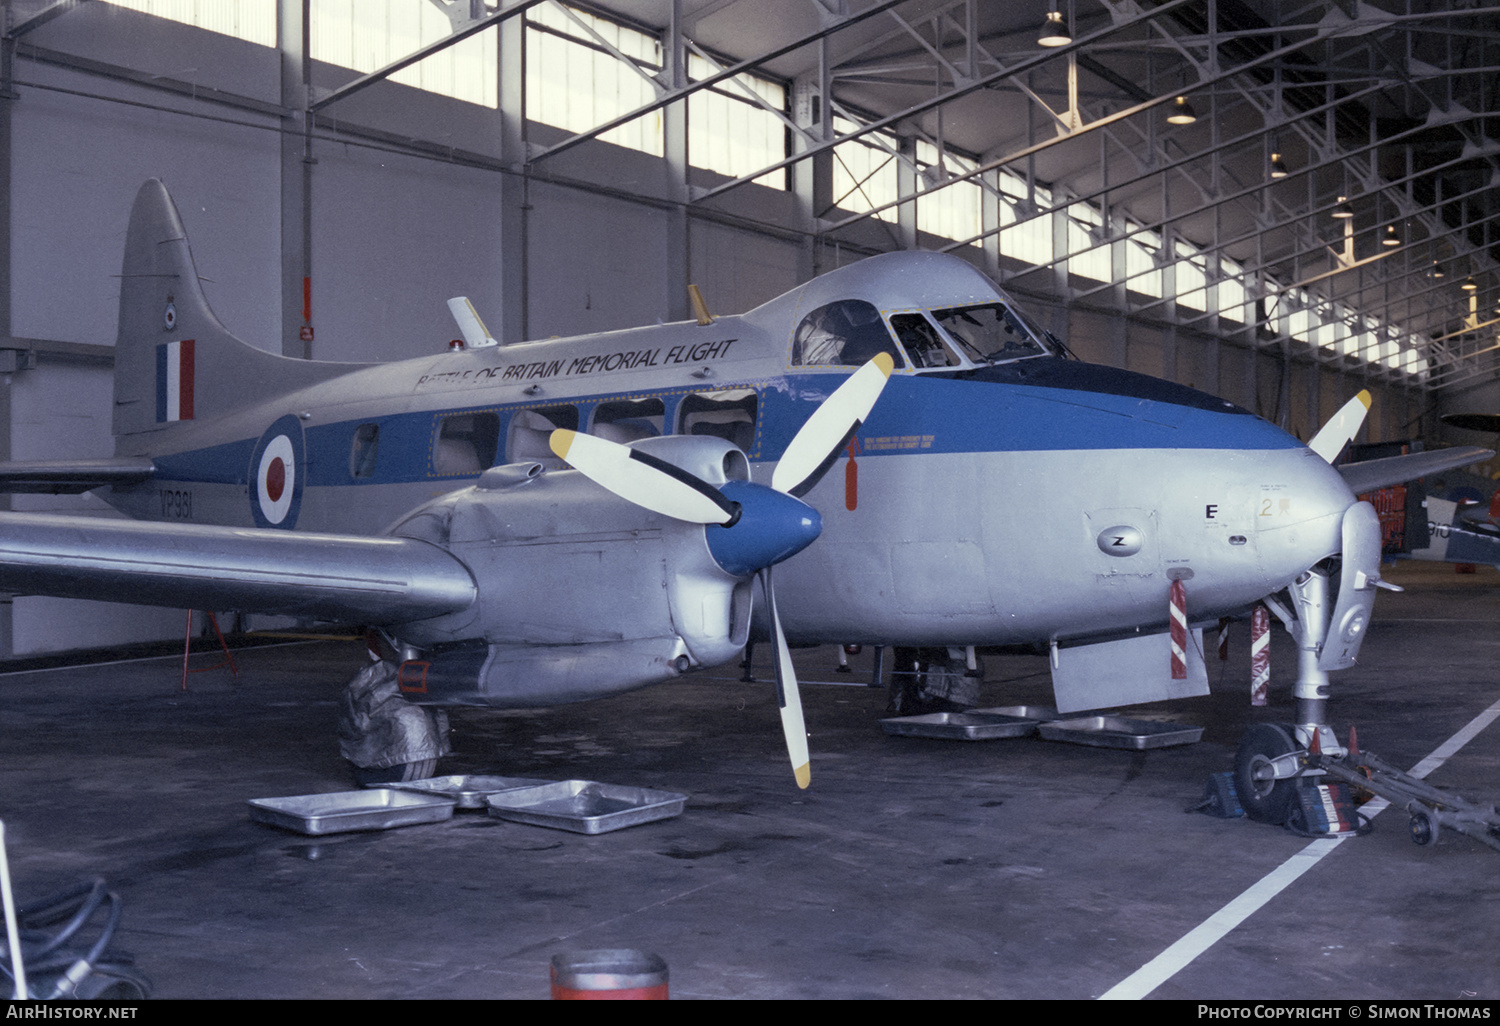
(581, 594)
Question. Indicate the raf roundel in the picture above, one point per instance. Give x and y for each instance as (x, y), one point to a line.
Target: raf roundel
(276, 472)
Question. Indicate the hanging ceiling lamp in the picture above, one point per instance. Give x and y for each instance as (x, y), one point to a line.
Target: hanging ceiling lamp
(1278, 166)
(1182, 112)
(1054, 32)
(1343, 211)
(1390, 238)
(1470, 285)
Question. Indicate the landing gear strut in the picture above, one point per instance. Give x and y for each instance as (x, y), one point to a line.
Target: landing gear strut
(1271, 760)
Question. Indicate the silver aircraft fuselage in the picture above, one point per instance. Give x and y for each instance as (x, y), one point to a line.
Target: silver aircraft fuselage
(982, 502)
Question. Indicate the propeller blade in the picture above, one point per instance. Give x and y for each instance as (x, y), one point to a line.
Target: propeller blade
(643, 479)
(787, 695)
(1341, 427)
(814, 448)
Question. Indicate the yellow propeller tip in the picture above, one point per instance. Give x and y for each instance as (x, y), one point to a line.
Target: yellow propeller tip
(804, 775)
(1364, 397)
(886, 365)
(560, 441)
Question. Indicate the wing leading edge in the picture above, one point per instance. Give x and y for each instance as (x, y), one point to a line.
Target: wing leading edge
(1372, 474)
(345, 578)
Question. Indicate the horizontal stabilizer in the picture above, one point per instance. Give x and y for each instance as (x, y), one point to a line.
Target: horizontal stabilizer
(345, 578)
(1371, 474)
(69, 477)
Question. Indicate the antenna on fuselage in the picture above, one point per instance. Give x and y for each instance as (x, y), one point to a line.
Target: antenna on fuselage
(700, 308)
(476, 335)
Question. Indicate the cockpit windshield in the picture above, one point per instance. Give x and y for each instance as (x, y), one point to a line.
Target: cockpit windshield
(993, 333)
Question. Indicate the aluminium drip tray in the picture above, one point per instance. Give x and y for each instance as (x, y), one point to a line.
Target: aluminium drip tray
(467, 790)
(1119, 732)
(585, 806)
(959, 726)
(1039, 713)
(342, 811)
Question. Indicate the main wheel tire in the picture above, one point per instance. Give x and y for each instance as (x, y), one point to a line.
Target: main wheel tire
(1264, 800)
(397, 774)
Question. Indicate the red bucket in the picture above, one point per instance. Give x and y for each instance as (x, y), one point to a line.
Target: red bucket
(612, 974)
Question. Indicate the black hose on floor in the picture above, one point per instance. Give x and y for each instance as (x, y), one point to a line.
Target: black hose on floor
(66, 951)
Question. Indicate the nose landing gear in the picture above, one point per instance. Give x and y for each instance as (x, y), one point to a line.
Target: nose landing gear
(1272, 760)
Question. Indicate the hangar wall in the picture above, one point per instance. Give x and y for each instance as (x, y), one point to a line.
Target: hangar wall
(393, 235)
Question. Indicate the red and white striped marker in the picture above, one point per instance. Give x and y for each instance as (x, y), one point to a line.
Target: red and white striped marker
(1260, 655)
(1223, 639)
(1178, 609)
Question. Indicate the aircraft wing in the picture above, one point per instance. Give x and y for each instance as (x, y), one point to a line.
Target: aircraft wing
(328, 576)
(69, 477)
(1372, 474)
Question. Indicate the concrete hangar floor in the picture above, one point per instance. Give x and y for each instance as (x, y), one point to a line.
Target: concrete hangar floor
(912, 868)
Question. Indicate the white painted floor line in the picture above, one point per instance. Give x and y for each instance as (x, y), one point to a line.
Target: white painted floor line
(1204, 936)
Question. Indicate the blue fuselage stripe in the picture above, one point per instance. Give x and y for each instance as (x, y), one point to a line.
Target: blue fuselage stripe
(926, 414)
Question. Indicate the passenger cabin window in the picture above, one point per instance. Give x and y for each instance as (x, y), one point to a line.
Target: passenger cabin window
(530, 429)
(843, 334)
(466, 443)
(922, 342)
(362, 450)
(993, 333)
(627, 420)
(729, 414)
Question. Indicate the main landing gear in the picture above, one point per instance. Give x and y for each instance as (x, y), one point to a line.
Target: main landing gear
(385, 738)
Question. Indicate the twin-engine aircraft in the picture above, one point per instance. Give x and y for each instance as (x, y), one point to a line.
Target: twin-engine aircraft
(431, 497)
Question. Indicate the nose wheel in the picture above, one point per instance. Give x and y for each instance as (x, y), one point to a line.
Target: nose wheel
(1265, 773)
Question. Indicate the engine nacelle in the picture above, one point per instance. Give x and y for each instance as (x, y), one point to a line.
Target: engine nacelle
(581, 594)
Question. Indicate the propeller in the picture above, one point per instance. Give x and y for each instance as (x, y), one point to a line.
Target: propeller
(749, 527)
(818, 443)
(1341, 428)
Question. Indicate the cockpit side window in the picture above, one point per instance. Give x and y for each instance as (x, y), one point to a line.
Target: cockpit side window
(993, 333)
(923, 342)
(843, 334)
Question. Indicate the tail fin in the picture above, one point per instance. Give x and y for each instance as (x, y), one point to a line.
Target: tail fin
(174, 361)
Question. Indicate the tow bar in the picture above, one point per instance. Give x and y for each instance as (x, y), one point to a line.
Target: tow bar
(1429, 808)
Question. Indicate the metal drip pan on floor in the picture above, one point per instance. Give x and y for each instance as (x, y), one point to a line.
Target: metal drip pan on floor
(956, 726)
(340, 811)
(1039, 713)
(1119, 732)
(585, 806)
(468, 790)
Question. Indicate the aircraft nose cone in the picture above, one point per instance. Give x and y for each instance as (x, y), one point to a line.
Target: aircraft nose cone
(772, 526)
(1317, 493)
